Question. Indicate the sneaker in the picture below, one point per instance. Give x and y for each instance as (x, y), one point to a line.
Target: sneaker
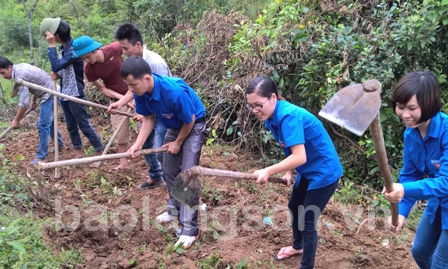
(186, 241)
(165, 217)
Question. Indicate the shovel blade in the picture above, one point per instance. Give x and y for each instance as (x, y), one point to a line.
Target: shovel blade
(354, 107)
(187, 189)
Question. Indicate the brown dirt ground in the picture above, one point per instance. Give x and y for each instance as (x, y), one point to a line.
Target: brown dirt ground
(232, 228)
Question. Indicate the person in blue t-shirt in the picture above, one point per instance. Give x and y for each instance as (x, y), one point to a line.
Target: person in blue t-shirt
(424, 176)
(181, 111)
(310, 151)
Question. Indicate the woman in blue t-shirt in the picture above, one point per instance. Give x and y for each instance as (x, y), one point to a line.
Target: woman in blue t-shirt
(424, 176)
(310, 151)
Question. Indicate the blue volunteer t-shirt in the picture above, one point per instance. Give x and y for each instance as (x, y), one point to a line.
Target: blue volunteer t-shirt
(425, 171)
(172, 101)
(292, 125)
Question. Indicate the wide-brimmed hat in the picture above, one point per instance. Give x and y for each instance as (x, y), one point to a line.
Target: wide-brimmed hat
(83, 45)
(50, 25)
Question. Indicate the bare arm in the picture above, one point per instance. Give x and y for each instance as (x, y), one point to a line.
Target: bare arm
(146, 129)
(123, 101)
(128, 99)
(20, 112)
(129, 96)
(297, 158)
(106, 91)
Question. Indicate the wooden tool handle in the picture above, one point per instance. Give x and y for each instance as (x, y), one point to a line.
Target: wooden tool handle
(380, 150)
(201, 171)
(68, 97)
(114, 135)
(42, 165)
(5, 132)
(57, 174)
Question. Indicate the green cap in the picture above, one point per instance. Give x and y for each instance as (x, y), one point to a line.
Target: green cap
(50, 25)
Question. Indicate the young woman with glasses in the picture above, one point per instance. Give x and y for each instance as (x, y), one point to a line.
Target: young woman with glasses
(309, 150)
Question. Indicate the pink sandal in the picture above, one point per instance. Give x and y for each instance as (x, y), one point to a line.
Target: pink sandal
(282, 253)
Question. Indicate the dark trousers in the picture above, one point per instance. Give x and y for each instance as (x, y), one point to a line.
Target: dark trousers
(173, 164)
(76, 118)
(305, 207)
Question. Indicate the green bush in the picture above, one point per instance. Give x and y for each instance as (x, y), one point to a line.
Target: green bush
(312, 49)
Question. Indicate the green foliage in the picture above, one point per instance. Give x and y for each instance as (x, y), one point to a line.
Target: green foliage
(250, 186)
(21, 242)
(348, 193)
(414, 216)
(310, 48)
(242, 264)
(210, 195)
(312, 51)
(172, 248)
(12, 187)
(211, 262)
(22, 245)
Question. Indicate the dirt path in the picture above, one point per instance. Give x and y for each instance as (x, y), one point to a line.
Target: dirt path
(112, 223)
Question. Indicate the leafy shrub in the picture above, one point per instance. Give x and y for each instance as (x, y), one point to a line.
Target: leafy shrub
(312, 49)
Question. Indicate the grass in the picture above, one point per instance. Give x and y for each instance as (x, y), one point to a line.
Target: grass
(415, 215)
(21, 241)
(22, 244)
(211, 195)
(211, 262)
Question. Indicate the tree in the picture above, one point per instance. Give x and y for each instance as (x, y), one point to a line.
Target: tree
(30, 28)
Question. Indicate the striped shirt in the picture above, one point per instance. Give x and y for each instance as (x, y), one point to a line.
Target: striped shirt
(35, 75)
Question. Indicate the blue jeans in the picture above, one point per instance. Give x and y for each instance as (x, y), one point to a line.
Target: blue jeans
(154, 171)
(76, 118)
(305, 207)
(160, 131)
(430, 248)
(45, 127)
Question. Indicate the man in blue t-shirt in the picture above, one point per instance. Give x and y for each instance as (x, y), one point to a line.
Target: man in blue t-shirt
(181, 111)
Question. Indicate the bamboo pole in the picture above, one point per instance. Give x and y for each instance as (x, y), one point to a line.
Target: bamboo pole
(42, 165)
(5, 132)
(114, 135)
(64, 96)
(57, 174)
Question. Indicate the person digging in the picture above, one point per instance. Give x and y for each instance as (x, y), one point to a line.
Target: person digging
(102, 68)
(183, 114)
(37, 76)
(131, 42)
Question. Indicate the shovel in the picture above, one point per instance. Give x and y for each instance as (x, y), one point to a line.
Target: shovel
(355, 108)
(187, 187)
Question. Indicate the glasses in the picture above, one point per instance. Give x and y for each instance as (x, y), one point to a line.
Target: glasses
(256, 107)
